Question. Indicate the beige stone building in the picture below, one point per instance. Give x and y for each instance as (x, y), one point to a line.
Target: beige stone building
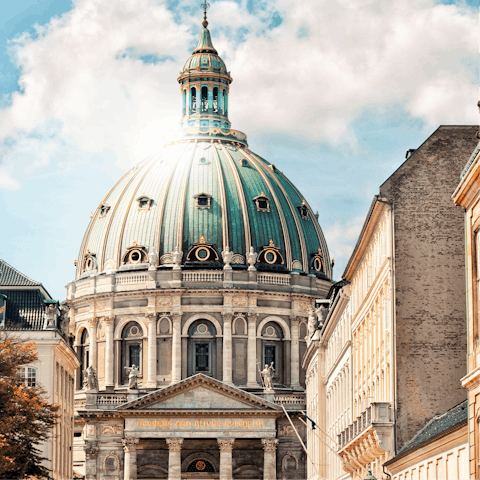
(407, 322)
(467, 195)
(190, 304)
(29, 313)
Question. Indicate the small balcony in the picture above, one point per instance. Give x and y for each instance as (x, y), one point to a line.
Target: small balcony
(369, 437)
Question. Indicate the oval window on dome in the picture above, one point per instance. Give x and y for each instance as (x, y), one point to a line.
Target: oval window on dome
(202, 254)
(135, 256)
(270, 256)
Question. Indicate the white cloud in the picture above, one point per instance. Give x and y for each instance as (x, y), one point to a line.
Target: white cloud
(86, 90)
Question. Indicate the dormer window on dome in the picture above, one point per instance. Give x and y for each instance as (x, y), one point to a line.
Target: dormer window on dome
(244, 162)
(104, 210)
(318, 262)
(89, 262)
(202, 200)
(135, 254)
(303, 209)
(144, 202)
(262, 202)
(271, 254)
(202, 252)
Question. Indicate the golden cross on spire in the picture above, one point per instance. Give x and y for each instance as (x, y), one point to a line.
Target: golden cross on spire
(205, 6)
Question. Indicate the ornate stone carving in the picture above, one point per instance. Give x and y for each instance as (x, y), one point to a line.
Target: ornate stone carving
(110, 320)
(129, 444)
(163, 301)
(91, 450)
(227, 258)
(101, 305)
(101, 330)
(153, 260)
(284, 461)
(132, 377)
(111, 466)
(90, 380)
(92, 322)
(177, 256)
(240, 301)
(312, 321)
(226, 444)
(269, 444)
(151, 317)
(90, 431)
(284, 430)
(175, 444)
(251, 259)
(51, 314)
(111, 430)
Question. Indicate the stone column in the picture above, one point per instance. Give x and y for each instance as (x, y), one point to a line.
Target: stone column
(109, 357)
(152, 351)
(252, 351)
(226, 447)
(227, 347)
(130, 460)
(269, 458)
(174, 458)
(295, 354)
(92, 323)
(91, 452)
(176, 348)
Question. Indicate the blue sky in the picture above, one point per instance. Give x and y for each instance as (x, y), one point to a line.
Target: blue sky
(332, 92)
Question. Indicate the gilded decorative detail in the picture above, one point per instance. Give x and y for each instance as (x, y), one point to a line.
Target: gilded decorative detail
(175, 444)
(130, 444)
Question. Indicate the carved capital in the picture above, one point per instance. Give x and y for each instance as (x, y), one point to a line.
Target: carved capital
(252, 317)
(92, 322)
(130, 444)
(91, 450)
(151, 317)
(174, 444)
(227, 316)
(176, 317)
(269, 444)
(109, 320)
(226, 444)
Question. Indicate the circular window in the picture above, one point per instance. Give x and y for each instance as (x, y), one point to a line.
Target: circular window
(135, 256)
(202, 328)
(200, 466)
(270, 331)
(134, 331)
(317, 264)
(203, 160)
(202, 253)
(270, 256)
(89, 264)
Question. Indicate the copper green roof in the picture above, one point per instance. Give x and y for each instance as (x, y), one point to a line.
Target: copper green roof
(205, 42)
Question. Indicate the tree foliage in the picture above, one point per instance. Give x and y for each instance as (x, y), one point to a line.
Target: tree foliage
(26, 417)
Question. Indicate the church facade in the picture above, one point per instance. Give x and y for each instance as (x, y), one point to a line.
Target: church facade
(196, 274)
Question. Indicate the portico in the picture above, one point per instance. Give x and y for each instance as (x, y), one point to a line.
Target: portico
(198, 428)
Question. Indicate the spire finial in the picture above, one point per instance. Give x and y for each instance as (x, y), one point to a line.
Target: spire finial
(205, 6)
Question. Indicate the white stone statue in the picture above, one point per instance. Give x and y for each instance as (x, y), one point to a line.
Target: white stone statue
(267, 374)
(251, 259)
(312, 322)
(51, 314)
(132, 377)
(177, 256)
(321, 313)
(227, 258)
(90, 380)
(153, 260)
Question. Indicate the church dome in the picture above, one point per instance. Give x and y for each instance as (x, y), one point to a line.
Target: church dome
(203, 195)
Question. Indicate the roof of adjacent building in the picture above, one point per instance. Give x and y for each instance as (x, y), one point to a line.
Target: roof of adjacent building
(24, 309)
(11, 277)
(437, 427)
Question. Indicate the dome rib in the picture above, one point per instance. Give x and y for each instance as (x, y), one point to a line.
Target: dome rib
(293, 210)
(162, 202)
(281, 214)
(182, 202)
(241, 193)
(128, 210)
(223, 199)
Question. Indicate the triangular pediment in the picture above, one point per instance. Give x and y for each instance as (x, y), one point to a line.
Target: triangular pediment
(200, 393)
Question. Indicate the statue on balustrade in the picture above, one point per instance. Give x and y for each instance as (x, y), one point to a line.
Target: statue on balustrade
(132, 377)
(267, 374)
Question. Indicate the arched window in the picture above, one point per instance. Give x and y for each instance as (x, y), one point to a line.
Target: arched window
(204, 99)
(184, 102)
(132, 343)
(272, 350)
(84, 352)
(193, 104)
(202, 348)
(215, 100)
(225, 100)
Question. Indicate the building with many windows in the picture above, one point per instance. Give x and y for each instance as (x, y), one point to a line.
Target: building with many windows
(407, 318)
(28, 312)
(467, 195)
(190, 305)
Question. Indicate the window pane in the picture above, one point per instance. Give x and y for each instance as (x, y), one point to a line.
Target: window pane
(201, 357)
(135, 355)
(270, 355)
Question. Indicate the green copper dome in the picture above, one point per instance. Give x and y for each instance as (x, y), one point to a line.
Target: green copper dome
(205, 193)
